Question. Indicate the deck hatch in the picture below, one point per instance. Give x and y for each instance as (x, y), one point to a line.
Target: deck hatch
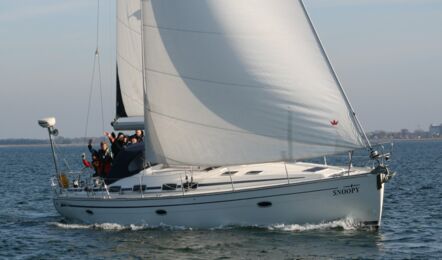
(253, 172)
(315, 169)
(229, 173)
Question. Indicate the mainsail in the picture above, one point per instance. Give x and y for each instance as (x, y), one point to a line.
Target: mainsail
(236, 82)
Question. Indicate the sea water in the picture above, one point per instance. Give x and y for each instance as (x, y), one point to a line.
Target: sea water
(31, 228)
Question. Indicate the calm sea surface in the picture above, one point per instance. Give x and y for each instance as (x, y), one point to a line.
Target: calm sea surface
(31, 228)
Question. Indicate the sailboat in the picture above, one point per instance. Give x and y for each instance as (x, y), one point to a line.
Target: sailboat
(235, 97)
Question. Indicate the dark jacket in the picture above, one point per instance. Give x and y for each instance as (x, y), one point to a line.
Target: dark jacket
(105, 158)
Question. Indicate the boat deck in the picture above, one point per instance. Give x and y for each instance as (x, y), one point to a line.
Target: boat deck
(156, 182)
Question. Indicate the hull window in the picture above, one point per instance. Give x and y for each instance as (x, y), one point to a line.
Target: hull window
(139, 188)
(169, 186)
(161, 212)
(264, 204)
(114, 188)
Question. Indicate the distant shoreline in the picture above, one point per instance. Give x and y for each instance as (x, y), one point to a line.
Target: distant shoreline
(39, 145)
(59, 141)
(374, 142)
(404, 140)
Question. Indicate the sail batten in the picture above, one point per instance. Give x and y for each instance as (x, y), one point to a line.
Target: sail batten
(128, 62)
(235, 82)
(225, 83)
(349, 146)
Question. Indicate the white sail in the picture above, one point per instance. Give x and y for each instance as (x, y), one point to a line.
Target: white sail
(129, 56)
(235, 82)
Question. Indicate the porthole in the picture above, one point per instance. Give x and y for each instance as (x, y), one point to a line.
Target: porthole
(161, 212)
(264, 204)
(90, 212)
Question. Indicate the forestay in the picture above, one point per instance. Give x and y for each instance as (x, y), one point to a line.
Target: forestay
(129, 59)
(235, 82)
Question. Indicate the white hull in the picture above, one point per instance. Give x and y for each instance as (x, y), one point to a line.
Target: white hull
(358, 196)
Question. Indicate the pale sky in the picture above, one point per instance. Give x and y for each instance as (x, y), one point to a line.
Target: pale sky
(387, 53)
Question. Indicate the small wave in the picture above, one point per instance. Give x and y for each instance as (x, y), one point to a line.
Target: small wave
(69, 226)
(115, 227)
(342, 224)
(104, 226)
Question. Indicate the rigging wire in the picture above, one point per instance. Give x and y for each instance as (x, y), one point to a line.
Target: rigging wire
(96, 64)
(59, 151)
(90, 98)
(101, 94)
(97, 54)
(111, 41)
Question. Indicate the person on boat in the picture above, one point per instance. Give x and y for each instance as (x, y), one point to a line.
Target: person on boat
(86, 163)
(104, 155)
(139, 134)
(117, 142)
(133, 140)
(97, 165)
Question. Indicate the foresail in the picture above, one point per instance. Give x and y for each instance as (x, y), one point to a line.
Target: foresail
(235, 82)
(129, 51)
